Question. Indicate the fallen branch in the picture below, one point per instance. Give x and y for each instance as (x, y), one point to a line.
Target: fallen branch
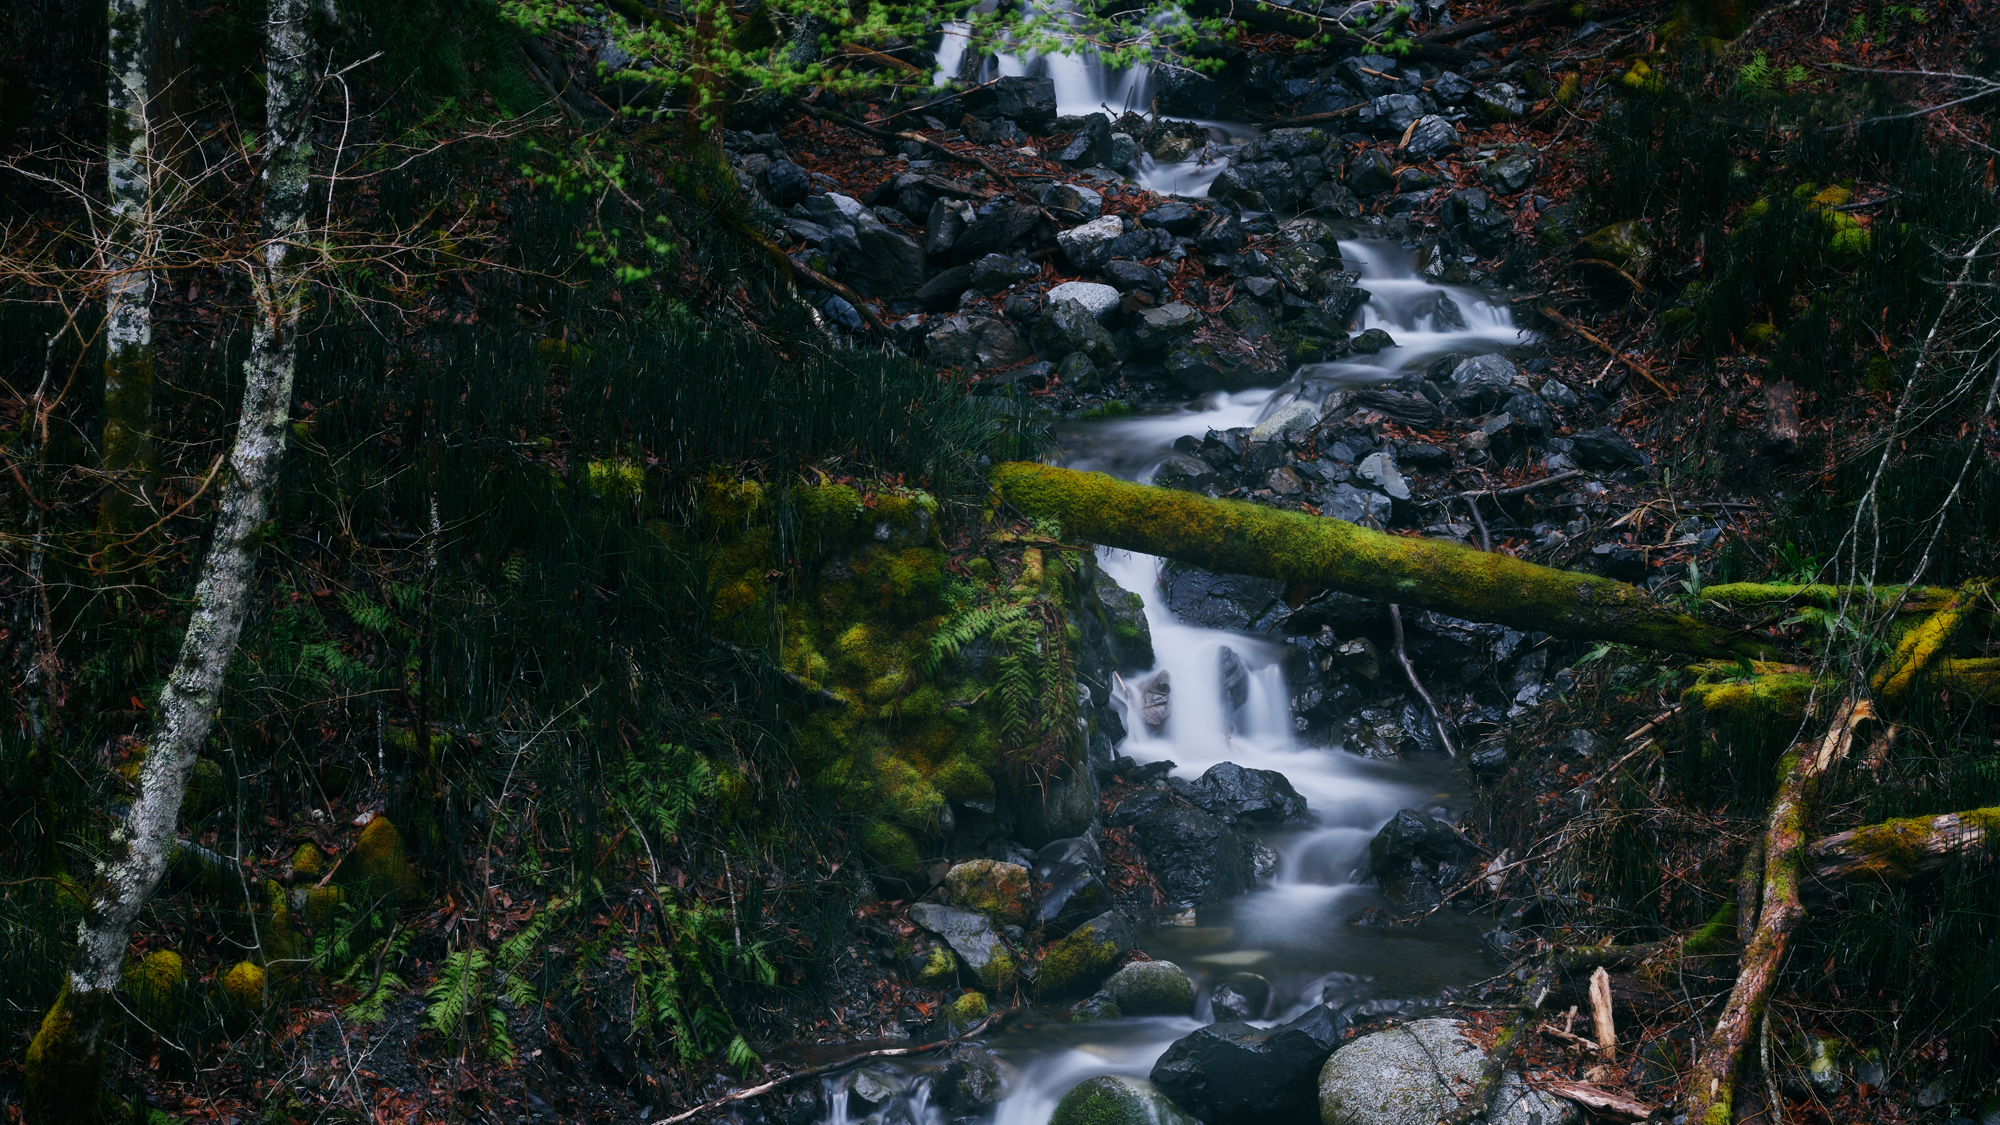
(1470, 28)
(1410, 670)
(1711, 1089)
(1309, 552)
(867, 130)
(1597, 1099)
(1639, 368)
(1902, 850)
(829, 1068)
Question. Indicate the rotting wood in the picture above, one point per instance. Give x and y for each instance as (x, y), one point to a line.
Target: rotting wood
(829, 1068)
(1902, 850)
(1233, 537)
(1596, 1099)
(1781, 416)
(1711, 1087)
(1600, 1014)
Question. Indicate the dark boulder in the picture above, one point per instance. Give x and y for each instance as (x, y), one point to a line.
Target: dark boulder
(995, 272)
(1071, 878)
(1239, 996)
(1250, 796)
(972, 1083)
(1067, 326)
(1412, 854)
(1222, 601)
(1371, 173)
(1128, 276)
(1174, 216)
(1221, 234)
(1030, 101)
(1606, 448)
(1091, 146)
(995, 228)
(1137, 807)
(1196, 857)
(1236, 1071)
(787, 184)
(941, 292)
(1235, 678)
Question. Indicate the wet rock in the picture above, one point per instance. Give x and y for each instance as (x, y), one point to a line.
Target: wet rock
(1340, 295)
(1284, 481)
(1390, 114)
(1124, 150)
(1030, 101)
(1372, 341)
(1276, 184)
(1413, 1075)
(1073, 203)
(1293, 417)
(1558, 393)
(1487, 229)
(1379, 469)
(1239, 996)
(1251, 319)
(1373, 75)
(1152, 988)
(1432, 138)
(1127, 634)
(1117, 1099)
(1221, 234)
(942, 291)
(1627, 245)
(1249, 796)
(1068, 326)
(1235, 1071)
(1411, 853)
(1099, 299)
(1221, 601)
(1174, 216)
(1071, 875)
(872, 1089)
(1509, 174)
(1485, 380)
(802, 1103)
(994, 229)
(1002, 893)
(1088, 246)
(1235, 679)
(1188, 474)
(1077, 371)
(1138, 807)
(972, 1082)
(1557, 227)
(1530, 413)
(1488, 759)
(1077, 963)
(1498, 103)
(1200, 368)
(1156, 702)
(946, 220)
(1371, 173)
(973, 938)
(995, 272)
(875, 260)
(973, 342)
(1196, 858)
(1128, 276)
(1091, 146)
(1066, 807)
(1606, 448)
(1356, 505)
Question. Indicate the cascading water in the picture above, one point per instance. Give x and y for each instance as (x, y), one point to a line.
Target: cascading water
(1292, 931)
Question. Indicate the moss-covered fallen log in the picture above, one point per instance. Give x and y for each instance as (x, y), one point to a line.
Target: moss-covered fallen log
(1913, 600)
(1903, 850)
(1922, 647)
(1232, 537)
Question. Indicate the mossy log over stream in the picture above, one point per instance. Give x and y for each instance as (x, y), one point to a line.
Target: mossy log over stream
(1311, 552)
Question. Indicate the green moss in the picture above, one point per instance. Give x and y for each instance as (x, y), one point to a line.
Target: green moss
(379, 867)
(892, 849)
(963, 780)
(981, 568)
(1758, 337)
(323, 906)
(63, 1076)
(965, 1011)
(1714, 935)
(244, 985)
(207, 791)
(615, 482)
(1000, 970)
(1642, 79)
(308, 862)
(1076, 963)
(155, 985)
(939, 969)
(1002, 893)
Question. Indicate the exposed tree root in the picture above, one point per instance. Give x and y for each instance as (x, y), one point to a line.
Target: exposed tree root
(1712, 1084)
(1310, 552)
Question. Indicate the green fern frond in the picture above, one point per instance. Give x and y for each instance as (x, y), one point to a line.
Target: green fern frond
(369, 1008)
(742, 1057)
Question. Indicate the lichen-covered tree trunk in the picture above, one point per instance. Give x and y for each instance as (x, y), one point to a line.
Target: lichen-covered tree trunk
(1711, 1089)
(65, 1063)
(1312, 552)
(126, 452)
(1905, 849)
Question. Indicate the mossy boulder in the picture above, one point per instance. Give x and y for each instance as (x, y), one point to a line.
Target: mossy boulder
(893, 849)
(1628, 245)
(308, 863)
(322, 906)
(1152, 988)
(1410, 1075)
(1002, 893)
(379, 865)
(989, 958)
(155, 984)
(1078, 962)
(244, 985)
(935, 968)
(1127, 632)
(63, 1080)
(1117, 1099)
(965, 1011)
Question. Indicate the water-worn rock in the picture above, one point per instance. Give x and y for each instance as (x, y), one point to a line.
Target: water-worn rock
(1066, 807)
(1152, 988)
(1188, 474)
(1091, 145)
(1221, 234)
(1235, 1071)
(1200, 368)
(1413, 1074)
(1002, 893)
(1126, 632)
(1117, 1099)
(1196, 857)
(872, 1089)
(1029, 101)
(1067, 326)
(1372, 341)
(971, 937)
(1128, 275)
(1099, 299)
(1487, 229)
(1292, 417)
(1235, 678)
(1413, 854)
(1174, 216)
(1076, 964)
(1557, 227)
(1071, 875)
(1499, 103)
(1606, 448)
(976, 342)
(1488, 379)
(1252, 796)
(995, 272)
(1628, 245)
(972, 1082)
(1088, 246)
(1221, 601)
(1239, 996)
(1509, 174)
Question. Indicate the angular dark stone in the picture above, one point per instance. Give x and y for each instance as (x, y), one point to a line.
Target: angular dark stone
(1070, 874)
(1030, 101)
(1236, 1071)
(1606, 448)
(1196, 857)
(1263, 797)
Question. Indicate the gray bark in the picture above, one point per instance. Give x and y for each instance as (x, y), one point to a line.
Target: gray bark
(130, 238)
(71, 1046)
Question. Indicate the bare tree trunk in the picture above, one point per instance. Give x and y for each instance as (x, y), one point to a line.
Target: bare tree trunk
(1711, 1089)
(127, 451)
(65, 1064)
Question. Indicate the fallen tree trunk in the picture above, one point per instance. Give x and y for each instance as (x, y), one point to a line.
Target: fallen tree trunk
(1711, 1089)
(1903, 850)
(1232, 537)
(1919, 649)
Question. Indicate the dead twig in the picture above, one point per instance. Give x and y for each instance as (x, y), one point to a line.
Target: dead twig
(1639, 368)
(1410, 670)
